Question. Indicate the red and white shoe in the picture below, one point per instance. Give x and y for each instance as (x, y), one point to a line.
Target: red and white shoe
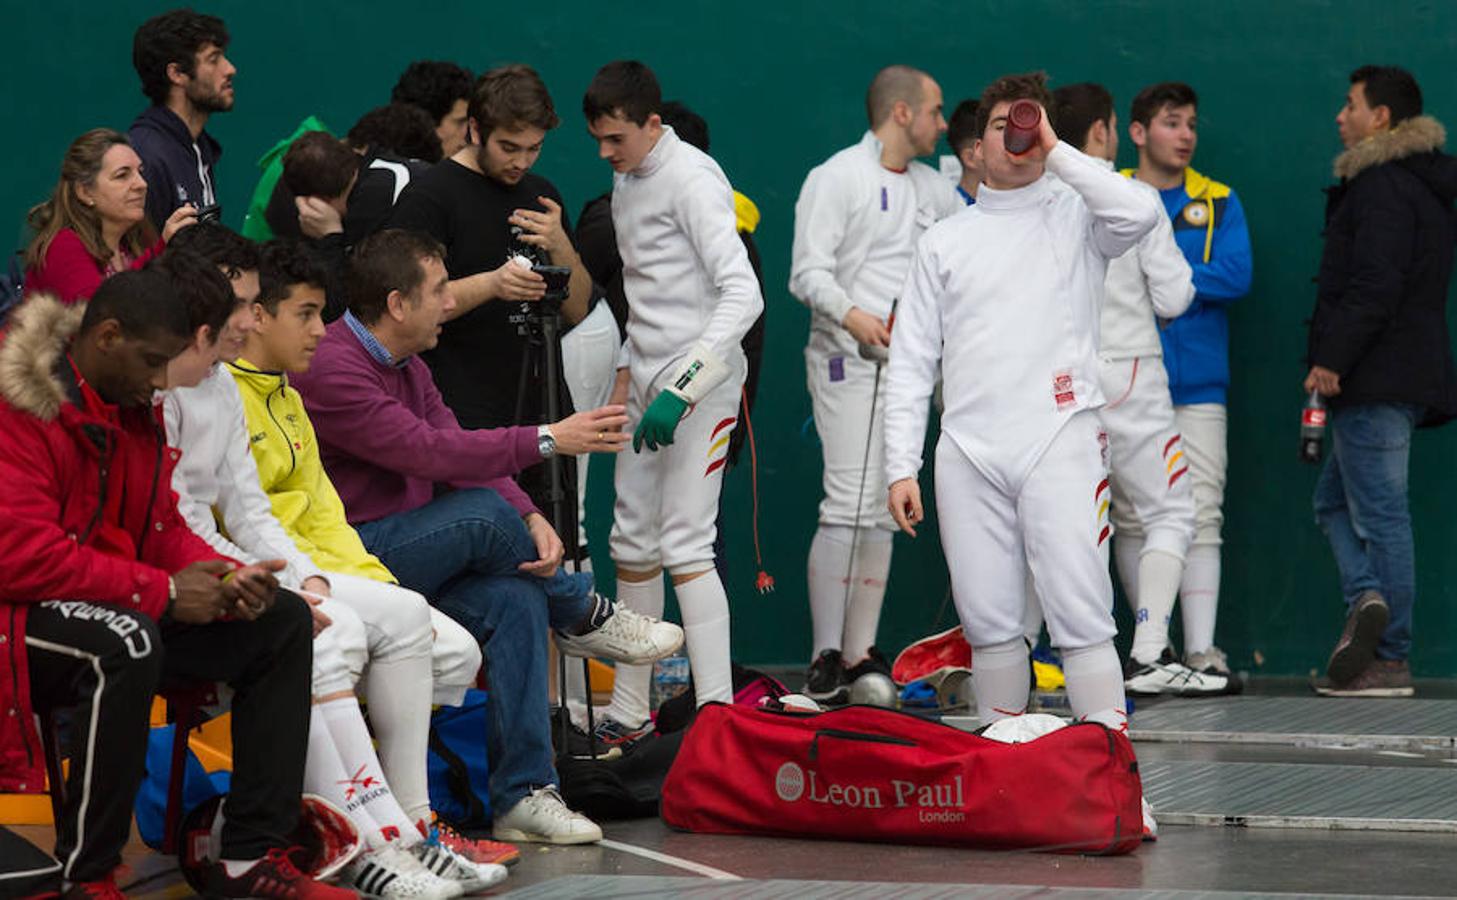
(273, 876)
(930, 655)
(1150, 824)
(477, 850)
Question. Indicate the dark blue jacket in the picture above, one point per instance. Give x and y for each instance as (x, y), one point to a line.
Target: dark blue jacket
(1381, 307)
(177, 170)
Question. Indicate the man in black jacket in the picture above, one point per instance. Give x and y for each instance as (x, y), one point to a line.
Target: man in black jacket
(1380, 353)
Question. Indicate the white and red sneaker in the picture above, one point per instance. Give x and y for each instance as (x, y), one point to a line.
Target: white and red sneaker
(929, 655)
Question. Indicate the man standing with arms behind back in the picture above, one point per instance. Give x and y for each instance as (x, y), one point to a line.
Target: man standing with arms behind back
(1381, 355)
(1209, 226)
(179, 57)
(856, 223)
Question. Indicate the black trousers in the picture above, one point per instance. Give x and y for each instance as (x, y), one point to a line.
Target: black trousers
(104, 664)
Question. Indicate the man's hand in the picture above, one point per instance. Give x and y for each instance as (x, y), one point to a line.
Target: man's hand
(1046, 137)
(516, 282)
(1323, 380)
(181, 217)
(549, 549)
(618, 397)
(659, 421)
(544, 229)
(251, 590)
(905, 505)
(317, 217)
(315, 584)
(593, 431)
(199, 590)
(865, 328)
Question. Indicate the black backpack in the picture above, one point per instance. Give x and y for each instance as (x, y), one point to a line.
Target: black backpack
(627, 787)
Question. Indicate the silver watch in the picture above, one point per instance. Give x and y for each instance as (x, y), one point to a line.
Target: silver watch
(545, 442)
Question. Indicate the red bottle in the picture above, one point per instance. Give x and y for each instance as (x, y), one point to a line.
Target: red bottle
(1024, 121)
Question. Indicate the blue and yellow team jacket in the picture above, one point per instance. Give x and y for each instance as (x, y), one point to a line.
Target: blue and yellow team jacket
(1209, 226)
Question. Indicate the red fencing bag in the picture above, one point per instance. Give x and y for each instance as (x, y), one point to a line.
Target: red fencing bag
(870, 774)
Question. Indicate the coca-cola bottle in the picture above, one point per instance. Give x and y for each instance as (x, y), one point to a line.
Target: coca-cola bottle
(1312, 428)
(1024, 125)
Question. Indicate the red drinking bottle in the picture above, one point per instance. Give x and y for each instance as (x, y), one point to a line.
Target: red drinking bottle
(1024, 122)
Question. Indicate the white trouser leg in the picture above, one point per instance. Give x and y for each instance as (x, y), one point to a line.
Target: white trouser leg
(340, 651)
(1149, 466)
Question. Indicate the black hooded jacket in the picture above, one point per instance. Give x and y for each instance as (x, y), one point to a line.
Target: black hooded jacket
(1381, 309)
(175, 167)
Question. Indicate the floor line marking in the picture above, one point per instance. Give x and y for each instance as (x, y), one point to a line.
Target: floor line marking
(665, 859)
(1401, 754)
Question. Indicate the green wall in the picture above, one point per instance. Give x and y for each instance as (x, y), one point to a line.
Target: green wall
(781, 85)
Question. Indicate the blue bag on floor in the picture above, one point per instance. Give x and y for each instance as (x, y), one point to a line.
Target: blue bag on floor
(197, 786)
(459, 775)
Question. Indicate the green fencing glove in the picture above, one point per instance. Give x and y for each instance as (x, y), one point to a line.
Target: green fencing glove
(659, 421)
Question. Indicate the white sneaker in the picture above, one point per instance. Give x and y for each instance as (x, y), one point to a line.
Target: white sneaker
(1150, 824)
(1167, 675)
(626, 637)
(1212, 660)
(451, 865)
(394, 873)
(543, 817)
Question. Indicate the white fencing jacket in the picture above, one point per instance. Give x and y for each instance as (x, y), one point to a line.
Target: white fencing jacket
(685, 271)
(217, 480)
(1005, 295)
(834, 223)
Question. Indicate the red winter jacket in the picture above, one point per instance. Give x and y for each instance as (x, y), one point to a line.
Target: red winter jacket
(64, 453)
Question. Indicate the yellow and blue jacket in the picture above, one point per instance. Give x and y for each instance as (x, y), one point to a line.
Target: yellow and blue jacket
(1209, 226)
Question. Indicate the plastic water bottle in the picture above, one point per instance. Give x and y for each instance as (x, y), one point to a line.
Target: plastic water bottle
(670, 678)
(1024, 121)
(1312, 428)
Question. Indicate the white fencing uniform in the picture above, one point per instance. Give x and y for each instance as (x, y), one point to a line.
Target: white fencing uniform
(856, 224)
(688, 282)
(1006, 298)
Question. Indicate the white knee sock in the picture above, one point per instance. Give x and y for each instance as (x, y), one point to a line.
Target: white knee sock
(399, 692)
(1127, 553)
(706, 635)
(1199, 597)
(1095, 684)
(867, 592)
(343, 769)
(829, 561)
(1000, 679)
(631, 684)
(1158, 581)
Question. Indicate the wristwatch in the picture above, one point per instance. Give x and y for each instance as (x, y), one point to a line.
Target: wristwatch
(545, 442)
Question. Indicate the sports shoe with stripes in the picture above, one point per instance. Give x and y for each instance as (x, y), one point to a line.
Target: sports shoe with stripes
(394, 873)
(1166, 676)
(454, 866)
(273, 876)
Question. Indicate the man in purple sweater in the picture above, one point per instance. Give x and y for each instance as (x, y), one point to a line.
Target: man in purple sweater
(486, 555)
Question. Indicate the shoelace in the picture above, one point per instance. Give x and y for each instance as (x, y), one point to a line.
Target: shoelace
(550, 802)
(632, 626)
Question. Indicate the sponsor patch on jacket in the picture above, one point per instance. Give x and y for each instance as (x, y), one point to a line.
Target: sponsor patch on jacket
(837, 368)
(1063, 393)
(1196, 213)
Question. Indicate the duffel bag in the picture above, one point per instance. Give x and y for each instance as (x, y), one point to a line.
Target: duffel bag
(865, 773)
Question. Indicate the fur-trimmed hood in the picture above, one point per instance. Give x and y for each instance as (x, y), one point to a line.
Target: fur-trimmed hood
(1422, 134)
(35, 341)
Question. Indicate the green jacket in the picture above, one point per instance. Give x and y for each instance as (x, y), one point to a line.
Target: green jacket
(255, 227)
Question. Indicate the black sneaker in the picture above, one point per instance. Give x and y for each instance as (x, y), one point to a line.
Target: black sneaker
(825, 681)
(581, 745)
(1356, 649)
(874, 661)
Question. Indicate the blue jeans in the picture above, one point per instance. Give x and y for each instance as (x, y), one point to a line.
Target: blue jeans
(1361, 505)
(461, 551)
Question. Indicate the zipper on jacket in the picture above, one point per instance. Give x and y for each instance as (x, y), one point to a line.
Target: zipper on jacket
(288, 441)
(161, 441)
(15, 684)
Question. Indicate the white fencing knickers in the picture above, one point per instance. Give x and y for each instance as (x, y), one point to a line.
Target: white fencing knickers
(1150, 474)
(842, 391)
(667, 500)
(1055, 524)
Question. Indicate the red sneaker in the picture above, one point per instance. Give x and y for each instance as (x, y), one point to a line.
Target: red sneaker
(947, 650)
(477, 850)
(274, 875)
(105, 889)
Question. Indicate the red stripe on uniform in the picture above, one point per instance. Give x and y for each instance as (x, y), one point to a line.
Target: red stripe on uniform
(1172, 441)
(1103, 536)
(1102, 486)
(721, 426)
(1175, 477)
(715, 466)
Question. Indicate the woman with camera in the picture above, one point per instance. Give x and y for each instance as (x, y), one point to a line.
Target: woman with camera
(95, 222)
